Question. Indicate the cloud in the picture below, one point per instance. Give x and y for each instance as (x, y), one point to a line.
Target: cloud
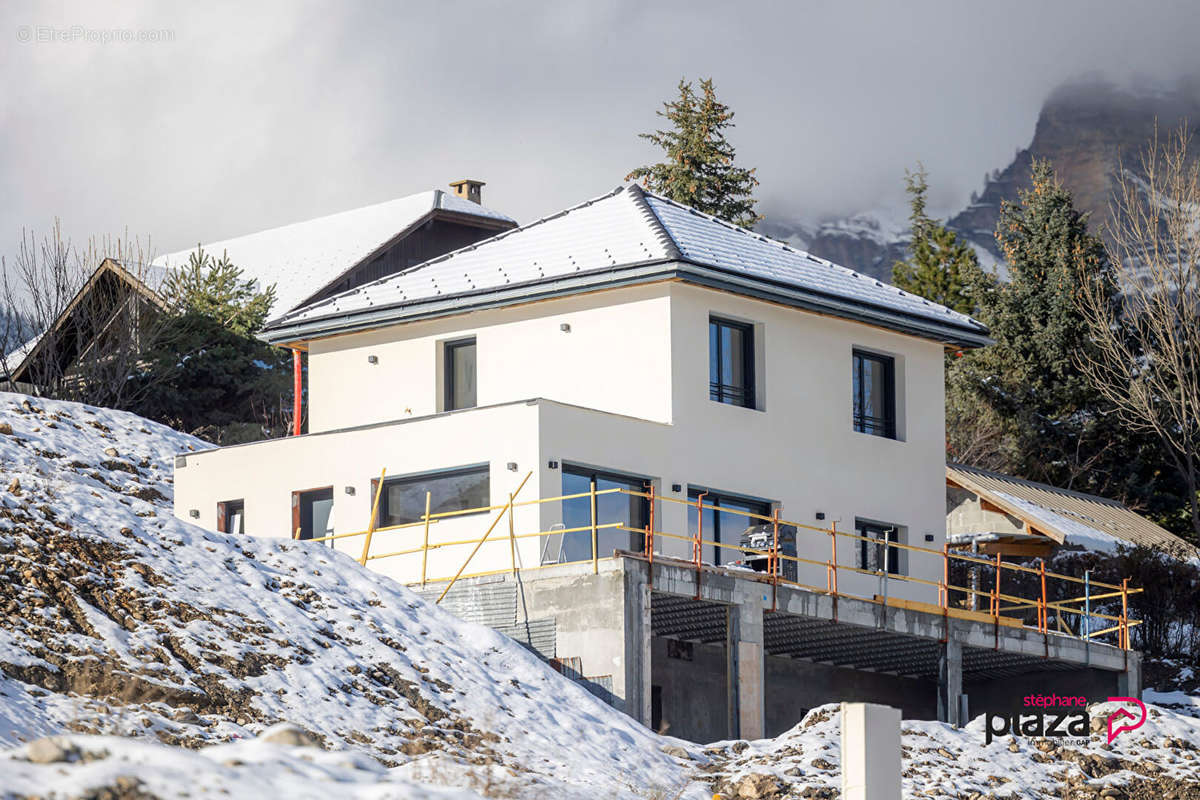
(250, 116)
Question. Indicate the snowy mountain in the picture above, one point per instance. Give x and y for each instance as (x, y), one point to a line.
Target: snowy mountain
(1084, 129)
(165, 661)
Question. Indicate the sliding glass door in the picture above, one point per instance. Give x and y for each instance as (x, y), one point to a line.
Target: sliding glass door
(630, 511)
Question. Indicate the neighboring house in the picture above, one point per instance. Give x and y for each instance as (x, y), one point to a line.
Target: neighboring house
(543, 400)
(628, 340)
(102, 322)
(1000, 514)
(305, 261)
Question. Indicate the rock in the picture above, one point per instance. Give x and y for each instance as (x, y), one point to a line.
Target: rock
(5, 429)
(51, 750)
(111, 452)
(675, 751)
(1112, 792)
(290, 735)
(738, 747)
(758, 787)
(15, 486)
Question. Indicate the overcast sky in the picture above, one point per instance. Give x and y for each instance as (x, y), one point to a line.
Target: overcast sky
(248, 116)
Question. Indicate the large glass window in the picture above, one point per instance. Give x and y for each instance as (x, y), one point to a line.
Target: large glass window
(629, 510)
(874, 385)
(460, 374)
(403, 499)
(731, 362)
(873, 554)
(722, 523)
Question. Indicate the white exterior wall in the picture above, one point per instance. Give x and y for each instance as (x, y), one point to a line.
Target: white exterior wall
(616, 357)
(265, 474)
(641, 355)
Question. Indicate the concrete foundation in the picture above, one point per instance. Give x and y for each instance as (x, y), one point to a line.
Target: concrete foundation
(723, 655)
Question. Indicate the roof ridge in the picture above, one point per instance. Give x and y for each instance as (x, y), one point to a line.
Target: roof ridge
(660, 228)
(784, 245)
(1045, 486)
(439, 259)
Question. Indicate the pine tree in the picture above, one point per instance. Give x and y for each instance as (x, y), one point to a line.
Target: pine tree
(939, 267)
(221, 378)
(699, 169)
(1053, 426)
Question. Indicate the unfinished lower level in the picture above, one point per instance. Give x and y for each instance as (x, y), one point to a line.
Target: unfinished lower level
(721, 653)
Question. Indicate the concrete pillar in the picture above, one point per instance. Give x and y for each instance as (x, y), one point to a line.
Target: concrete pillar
(950, 683)
(1129, 682)
(637, 640)
(870, 752)
(746, 666)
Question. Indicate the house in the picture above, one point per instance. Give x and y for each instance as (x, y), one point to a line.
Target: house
(304, 261)
(95, 334)
(582, 431)
(999, 514)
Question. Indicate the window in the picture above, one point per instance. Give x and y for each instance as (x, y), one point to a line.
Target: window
(871, 554)
(722, 523)
(460, 374)
(403, 499)
(312, 513)
(628, 510)
(731, 362)
(231, 516)
(874, 394)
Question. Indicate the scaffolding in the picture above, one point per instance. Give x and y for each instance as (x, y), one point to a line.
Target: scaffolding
(1083, 616)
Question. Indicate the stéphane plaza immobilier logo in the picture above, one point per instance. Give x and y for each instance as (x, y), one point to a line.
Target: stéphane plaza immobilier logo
(1064, 717)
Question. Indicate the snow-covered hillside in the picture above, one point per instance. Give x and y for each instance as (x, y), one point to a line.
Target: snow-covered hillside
(171, 659)
(120, 619)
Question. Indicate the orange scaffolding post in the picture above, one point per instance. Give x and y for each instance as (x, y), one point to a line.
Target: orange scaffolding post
(512, 535)
(944, 589)
(371, 525)
(996, 605)
(1043, 611)
(595, 543)
(425, 543)
(649, 540)
(696, 542)
(1124, 613)
(297, 391)
(773, 561)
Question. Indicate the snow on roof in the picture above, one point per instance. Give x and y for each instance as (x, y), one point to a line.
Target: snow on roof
(625, 228)
(302, 258)
(1089, 521)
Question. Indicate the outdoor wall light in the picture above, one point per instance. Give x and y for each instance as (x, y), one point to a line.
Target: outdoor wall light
(553, 465)
(929, 537)
(194, 513)
(820, 515)
(350, 490)
(372, 359)
(512, 466)
(565, 327)
(675, 487)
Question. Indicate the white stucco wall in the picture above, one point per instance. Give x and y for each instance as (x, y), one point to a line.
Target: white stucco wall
(640, 356)
(615, 357)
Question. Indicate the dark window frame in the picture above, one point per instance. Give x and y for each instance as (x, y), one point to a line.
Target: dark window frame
(593, 474)
(712, 498)
(886, 530)
(420, 477)
(226, 509)
(719, 389)
(449, 351)
(864, 423)
(298, 500)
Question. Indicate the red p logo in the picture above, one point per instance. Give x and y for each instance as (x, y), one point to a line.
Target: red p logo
(1125, 714)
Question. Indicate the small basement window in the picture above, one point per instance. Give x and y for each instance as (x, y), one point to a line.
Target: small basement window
(874, 386)
(460, 374)
(403, 499)
(731, 362)
(231, 516)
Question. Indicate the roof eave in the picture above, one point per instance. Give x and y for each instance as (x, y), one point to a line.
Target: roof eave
(283, 333)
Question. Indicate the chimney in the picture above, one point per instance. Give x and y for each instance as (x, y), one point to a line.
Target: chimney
(468, 190)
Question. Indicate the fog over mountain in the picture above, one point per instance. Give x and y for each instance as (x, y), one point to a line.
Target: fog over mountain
(240, 117)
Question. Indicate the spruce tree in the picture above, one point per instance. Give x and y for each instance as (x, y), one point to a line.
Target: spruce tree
(699, 170)
(206, 372)
(939, 267)
(1050, 424)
